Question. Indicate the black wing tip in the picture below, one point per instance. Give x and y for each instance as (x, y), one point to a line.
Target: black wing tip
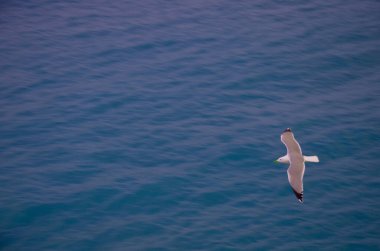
(288, 130)
(298, 195)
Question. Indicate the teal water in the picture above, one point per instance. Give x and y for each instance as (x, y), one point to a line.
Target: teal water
(153, 125)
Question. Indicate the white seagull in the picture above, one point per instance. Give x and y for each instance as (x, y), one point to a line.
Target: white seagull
(297, 161)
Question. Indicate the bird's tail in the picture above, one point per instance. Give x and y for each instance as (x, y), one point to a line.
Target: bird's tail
(314, 159)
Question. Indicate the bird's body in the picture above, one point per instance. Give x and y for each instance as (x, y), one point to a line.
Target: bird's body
(296, 160)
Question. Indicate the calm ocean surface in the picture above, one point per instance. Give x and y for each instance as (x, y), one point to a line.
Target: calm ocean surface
(153, 125)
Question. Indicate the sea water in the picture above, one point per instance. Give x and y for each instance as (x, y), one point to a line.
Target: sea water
(153, 125)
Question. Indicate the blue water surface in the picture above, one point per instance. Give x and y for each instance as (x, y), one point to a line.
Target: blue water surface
(153, 125)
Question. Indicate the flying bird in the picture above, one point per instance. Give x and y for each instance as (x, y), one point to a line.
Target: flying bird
(297, 161)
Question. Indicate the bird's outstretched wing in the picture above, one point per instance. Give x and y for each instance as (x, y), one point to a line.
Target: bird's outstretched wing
(292, 146)
(296, 171)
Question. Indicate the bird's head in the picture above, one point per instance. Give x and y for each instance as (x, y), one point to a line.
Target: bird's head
(283, 159)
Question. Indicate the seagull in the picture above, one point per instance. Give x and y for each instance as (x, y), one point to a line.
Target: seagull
(296, 160)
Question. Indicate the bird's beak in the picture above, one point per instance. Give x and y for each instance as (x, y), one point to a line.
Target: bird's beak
(276, 161)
